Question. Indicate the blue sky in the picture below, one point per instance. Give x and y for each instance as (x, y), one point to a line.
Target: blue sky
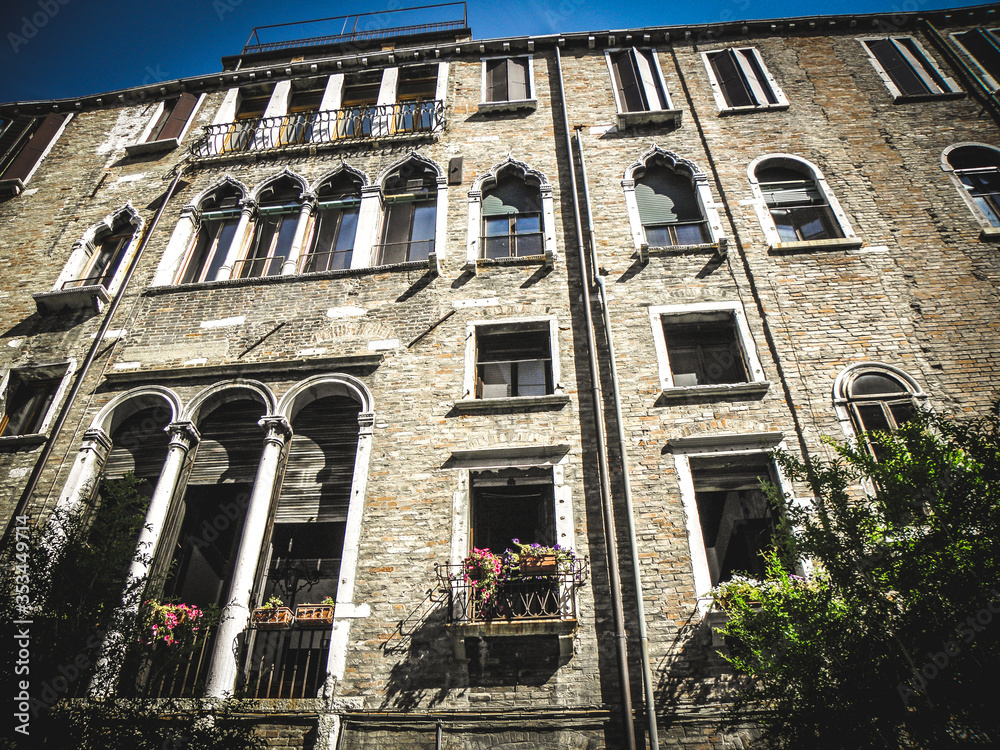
(63, 48)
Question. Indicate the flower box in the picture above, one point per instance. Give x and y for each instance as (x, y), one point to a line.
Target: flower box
(538, 565)
(314, 615)
(272, 618)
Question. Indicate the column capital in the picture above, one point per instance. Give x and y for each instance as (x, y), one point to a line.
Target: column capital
(96, 439)
(183, 433)
(276, 428)
(248, 206)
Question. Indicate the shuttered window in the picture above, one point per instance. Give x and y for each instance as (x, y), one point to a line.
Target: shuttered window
(173, 118)
(320, 468)
(637, 81)
(909, 68)
(139, 445)
(669, 209)
(513, 363)
(742, 78)
(512, 220)
(507, 79)
(984, 47)
(25, 144)
(26, 403)
(231, 444)
(704, 349)
(978, 169)
(798, 207)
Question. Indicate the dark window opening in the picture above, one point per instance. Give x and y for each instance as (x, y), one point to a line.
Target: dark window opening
(512, 504)
(704, 349)
(669, 209)
(978, 168)
(27, 402)
(907, 66)
(408, 224)
(515, 363)
(879, 401)
(507, 79)
(336, 225)
(798, 207)
(512, 220)
(173, 117)
(274, 230)
(741, 78)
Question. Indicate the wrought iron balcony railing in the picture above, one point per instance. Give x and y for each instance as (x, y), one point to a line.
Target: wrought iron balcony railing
(518, 599)
(362, 123)
(174, 671)
(285, 663)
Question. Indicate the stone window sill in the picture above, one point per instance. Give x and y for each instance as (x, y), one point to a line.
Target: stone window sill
(508, 106)
(808, 246)
(719, 248)
(630, 120)
(724, 390)
(10, 188)
(151, 147)
(77, 298)
(990, 234)
(16, 442)
(907, 98)
(513, 403)
(519, 260)
(752, 108)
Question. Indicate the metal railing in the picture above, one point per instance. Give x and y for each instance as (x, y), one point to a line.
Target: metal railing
(255, 268)
(350, 124)
(350, 33)
(389, 253)
(285, 663)
(516, 245)
(334, 260)
(88, 281)
(167, 672)
(520, 598)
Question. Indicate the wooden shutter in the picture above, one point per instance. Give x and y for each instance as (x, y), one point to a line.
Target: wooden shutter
(666, 198)
(21, 166)
(730, 78)
(630, 92)
(320, 469)
(231, 444)
(139, 445)
(779, 194)
(897, 67)
(511, 196)
(496, 80)
(982, 46)
(14, 136)
(646, 65)
(517, 78)
(178, 117)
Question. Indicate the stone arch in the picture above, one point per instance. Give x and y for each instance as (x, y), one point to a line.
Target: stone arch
(285, 174)
(126, 404)
(231, 390)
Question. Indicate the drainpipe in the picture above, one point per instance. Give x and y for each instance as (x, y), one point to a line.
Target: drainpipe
(81, 374)
(610, 534)
(647, 673)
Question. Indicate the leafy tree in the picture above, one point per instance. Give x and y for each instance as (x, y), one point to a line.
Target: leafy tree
(894, 641)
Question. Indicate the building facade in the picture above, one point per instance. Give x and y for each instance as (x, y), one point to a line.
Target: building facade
(341, 307)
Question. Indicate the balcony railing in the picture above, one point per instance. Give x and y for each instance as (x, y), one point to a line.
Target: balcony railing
(286, 663)
(519, 599)
(410, 251)
(255, 268)
(171, 672)
(89, 281)
(351, 124)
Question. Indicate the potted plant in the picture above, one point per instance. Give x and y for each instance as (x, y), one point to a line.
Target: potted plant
(272, 615)
(538, 559)
(315, 615)
(483, 571)
(169, 623)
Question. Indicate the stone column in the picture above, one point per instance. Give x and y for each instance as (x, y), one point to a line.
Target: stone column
(235, 251)
(291, 263)
(82, 480)
(183, 436)
(236, 613)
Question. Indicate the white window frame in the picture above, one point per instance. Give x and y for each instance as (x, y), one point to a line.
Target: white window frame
(754, 445)
(510, 105)
(669, 114)
(474, 250)
(49, 370)
(141, 147)
(469, 402)
(842, 402)
(755, 84)
(918, 67)
(709, 208)
(756, 384)
(771, 236)
(988, 232)
(95, 295)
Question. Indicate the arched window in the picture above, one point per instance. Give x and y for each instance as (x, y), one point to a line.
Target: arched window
(336, 224)
(220, 217)
(978, 169)
(410, 214)
(874, 396)
(669, 208)
(799, 209)
(279, 205)
(512, 219)
(109, 248)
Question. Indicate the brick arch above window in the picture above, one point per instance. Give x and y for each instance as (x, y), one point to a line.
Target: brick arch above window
(796, 208)
(699, 200)
(875, 395)
(515, 183)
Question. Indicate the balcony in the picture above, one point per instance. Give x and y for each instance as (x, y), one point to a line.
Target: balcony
(75, 294)
(288, 663)
(328, 128)
(522, 606)
(173, 671)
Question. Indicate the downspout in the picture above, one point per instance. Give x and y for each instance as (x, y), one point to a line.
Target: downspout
(607, 511)
(647, 672)
(74, 391)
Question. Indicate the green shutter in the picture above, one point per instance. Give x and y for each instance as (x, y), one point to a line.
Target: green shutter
(666, 198)
(511, 196)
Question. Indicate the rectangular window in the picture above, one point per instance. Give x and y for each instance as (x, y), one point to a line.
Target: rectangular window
(983, 46)
(408, 231)
(736, 519)
(741, 80)
(906, 68)
(638, 85)
(300, 118)
(105, 261)
(358, 104)
(271, 245)
(706, 346)
(23, 143)
(242, 132)
(507, 79)
(335, 231)
(210, 248)
(415, 103)
(27, 398)
(513, 363)
(173, 118)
